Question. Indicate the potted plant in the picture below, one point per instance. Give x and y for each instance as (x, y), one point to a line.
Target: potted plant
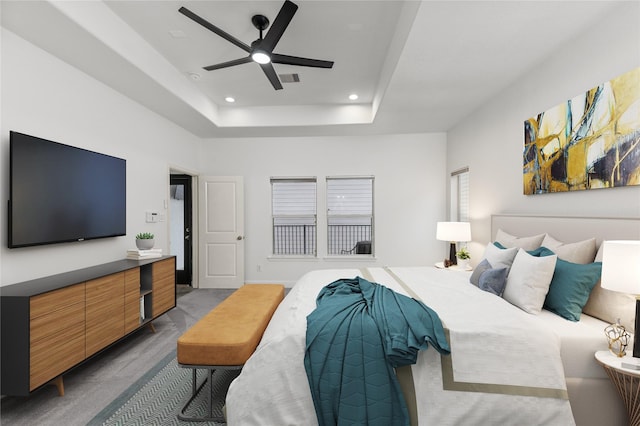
(145, 241)
(463, 257)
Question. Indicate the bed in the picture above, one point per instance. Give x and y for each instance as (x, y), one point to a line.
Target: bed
(507, 366)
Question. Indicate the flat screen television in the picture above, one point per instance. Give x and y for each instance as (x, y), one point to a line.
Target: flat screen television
(60, 193)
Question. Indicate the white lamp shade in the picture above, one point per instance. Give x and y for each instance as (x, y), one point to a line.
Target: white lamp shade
(453, 231)
(621, 266)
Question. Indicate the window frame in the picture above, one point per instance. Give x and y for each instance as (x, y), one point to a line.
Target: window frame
(313, 252)
(351, 252)
(460, 195)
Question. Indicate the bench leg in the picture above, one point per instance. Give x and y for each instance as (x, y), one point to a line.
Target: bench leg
(196, 389)
(210, 378)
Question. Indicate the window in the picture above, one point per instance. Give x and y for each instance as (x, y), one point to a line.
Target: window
(294, 216)
(460, 195)
(350, 215)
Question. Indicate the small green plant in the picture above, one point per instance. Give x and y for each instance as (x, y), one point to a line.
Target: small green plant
(463, 254)
(144, 236)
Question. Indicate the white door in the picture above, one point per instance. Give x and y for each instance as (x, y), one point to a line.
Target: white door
(221, 233)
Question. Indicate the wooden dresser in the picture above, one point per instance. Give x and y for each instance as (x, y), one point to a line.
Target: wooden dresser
(49, 325)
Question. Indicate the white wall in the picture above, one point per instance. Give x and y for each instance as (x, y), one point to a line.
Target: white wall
(491, 140)
(409, 193)
(45, 97)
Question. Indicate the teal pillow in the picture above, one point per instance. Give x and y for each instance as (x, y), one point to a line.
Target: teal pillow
(541, 252)
(570, 288)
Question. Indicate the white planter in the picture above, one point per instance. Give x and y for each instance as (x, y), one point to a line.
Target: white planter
(145, 244)
(463, 263)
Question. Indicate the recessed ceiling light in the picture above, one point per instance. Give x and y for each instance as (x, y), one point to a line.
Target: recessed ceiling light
(194, 76)
(353, 97)
(229, 99)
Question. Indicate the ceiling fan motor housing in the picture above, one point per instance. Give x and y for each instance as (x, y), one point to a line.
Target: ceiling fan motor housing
(261, 22)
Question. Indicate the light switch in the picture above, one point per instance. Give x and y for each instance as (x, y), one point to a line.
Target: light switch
(152, 217)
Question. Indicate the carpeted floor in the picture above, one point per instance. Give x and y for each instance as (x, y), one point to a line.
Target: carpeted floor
(95, 384)
(159, 396)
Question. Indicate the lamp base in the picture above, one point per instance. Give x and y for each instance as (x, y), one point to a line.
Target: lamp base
(636, 333)
(453, 260)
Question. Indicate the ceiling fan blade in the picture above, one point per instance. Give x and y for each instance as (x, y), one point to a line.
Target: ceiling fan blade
(279, 25)
(208, 25)
(304, 62)
(227, 64)
(271, 75)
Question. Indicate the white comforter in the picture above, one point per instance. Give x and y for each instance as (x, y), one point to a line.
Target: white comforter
(501, 360)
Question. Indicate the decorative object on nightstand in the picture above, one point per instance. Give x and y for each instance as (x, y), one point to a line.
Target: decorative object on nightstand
(618, 339)
(453, 232)
(621, 272)
(145, 241)
(626, 381)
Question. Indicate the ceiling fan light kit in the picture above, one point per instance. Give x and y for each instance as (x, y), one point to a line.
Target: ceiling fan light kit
(260, 57)
(261, 50)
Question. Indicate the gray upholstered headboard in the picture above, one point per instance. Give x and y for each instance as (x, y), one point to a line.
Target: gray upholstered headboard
(603, 304)
(568, 228)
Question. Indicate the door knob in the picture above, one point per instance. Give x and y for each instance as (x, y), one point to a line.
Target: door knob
(239, 237)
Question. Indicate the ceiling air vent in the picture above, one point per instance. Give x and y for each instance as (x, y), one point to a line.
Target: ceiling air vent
(289, 78)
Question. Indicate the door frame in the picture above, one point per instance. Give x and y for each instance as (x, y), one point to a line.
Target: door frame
(186, 275)
(175, 170)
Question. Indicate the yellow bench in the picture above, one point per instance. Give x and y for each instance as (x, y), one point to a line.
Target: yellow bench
(226, 337)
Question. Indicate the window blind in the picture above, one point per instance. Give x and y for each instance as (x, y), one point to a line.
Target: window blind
(353, 196)
(293, 207)
(293, 197)
(460, 195)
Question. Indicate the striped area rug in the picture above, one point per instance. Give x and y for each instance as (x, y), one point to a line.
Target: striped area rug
(158, 396)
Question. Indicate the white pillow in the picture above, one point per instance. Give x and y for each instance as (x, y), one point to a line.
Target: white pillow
(527, 243)
(528, 281)
(611, 306)
(499, 258)
(582, 252)
(599, 253)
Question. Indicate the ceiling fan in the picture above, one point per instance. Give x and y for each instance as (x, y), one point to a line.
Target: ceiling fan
(261, 50)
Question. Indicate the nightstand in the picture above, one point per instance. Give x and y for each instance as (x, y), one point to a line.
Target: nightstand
(626, 381)
(440, 265)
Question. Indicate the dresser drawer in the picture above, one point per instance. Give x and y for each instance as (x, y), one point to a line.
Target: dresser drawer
(51, 301)
(105, 312)
(164, 270)
(163, 300)
(55, 353)
(53, 323)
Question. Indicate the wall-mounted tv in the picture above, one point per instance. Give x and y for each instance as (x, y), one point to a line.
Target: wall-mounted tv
(60, 193)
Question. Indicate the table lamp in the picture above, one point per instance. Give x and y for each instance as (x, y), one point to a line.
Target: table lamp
(453, 232)
(621, 272)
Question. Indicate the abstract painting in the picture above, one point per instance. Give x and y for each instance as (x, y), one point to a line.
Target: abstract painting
(590, 141)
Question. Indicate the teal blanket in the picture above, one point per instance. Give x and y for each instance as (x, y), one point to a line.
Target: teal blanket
(358, 333)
